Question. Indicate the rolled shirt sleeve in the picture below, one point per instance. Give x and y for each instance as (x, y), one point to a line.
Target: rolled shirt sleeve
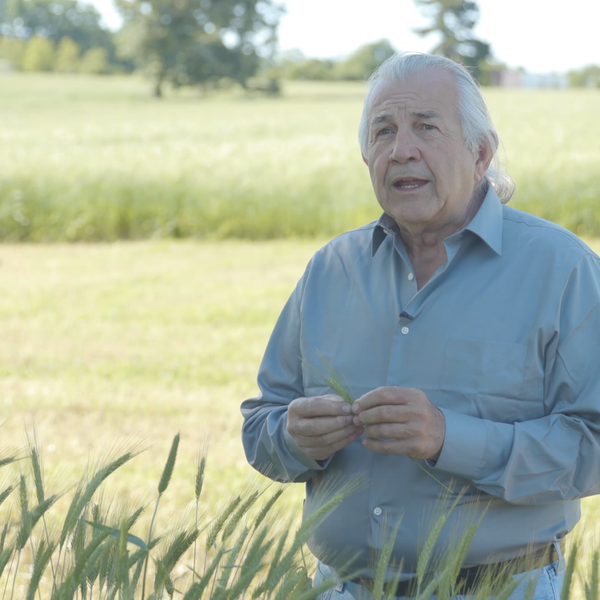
(556, 457)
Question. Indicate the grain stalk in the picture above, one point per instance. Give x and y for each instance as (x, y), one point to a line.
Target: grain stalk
(334, 381)
(199, 482)
(162, 486)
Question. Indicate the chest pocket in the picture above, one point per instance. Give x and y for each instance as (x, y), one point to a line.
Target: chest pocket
(485, 379)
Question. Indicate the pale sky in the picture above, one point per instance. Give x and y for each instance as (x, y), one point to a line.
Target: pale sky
(528, 33)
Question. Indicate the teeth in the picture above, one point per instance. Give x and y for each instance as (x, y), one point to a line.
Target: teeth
(408, 186)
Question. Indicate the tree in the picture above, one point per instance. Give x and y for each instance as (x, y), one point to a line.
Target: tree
(13, 51)
(365, 60)
(190, 42)
(55, 20)
(586, 77)
(313, 69)
(94, 62)
(39, 54)
(454, 20)
(67, 56)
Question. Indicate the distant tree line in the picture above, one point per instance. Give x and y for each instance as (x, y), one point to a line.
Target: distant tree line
(183, 42)
(62, 35)
(358, 66)
(215, 42)
(587, 77)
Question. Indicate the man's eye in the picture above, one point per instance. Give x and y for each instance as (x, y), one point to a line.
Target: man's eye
(428, 127)
(384, 131)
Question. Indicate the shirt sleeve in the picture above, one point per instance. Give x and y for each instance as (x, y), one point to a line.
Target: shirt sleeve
(268, 446)
(556, 457)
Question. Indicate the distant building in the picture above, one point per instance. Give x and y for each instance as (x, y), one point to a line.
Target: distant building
(522, 79)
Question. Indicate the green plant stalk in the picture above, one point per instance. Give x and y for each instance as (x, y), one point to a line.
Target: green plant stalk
(148, 544)
(431, 475)
(198, 484)
(333, 381)
(570, 570)
(434, 534)
(12, 560)
(12, 593)
(393, 585)
(383, 562)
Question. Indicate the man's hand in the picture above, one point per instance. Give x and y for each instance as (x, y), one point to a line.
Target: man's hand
(322, 425)
(401, 421)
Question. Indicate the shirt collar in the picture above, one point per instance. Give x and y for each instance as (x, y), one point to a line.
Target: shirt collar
(486, 224)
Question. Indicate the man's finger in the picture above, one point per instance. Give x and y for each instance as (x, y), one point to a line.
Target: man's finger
(383, 395)
(328, 439)
(387, 413)
(399, 431)
(347, 440)
(332, 448)
(318, 426)
(319, 406)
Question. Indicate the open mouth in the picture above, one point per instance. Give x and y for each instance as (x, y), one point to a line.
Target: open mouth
(409, 183)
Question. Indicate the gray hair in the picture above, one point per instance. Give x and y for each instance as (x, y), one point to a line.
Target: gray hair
(476, 120)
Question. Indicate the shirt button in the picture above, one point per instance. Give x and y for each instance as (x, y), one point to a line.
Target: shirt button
(377, 511)
(404, 330)
(410, 276)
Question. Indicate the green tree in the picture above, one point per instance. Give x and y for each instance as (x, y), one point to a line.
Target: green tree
(454, 21)
(308, 68)
(190, 42)
(12, 50)
(586, 77)
(39, 54)
(55, 20)
(94, 62)
(67, 56)
(365, 60)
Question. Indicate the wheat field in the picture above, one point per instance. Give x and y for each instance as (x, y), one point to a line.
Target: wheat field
(104, 345)
(93, 159)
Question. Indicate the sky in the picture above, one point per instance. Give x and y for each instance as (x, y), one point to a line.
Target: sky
(523, 33)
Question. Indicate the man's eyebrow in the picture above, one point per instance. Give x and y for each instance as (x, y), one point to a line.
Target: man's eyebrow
(380, 118)
(421, 114)
(426, 114)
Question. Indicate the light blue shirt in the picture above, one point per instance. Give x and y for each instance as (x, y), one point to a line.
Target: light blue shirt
(504, 339)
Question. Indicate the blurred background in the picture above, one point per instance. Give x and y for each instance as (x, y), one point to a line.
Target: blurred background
(167, 168)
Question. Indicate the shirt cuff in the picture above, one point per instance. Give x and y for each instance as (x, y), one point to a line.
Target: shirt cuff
(307, 461)
(464, 445)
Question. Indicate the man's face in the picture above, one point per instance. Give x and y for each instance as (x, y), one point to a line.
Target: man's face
(422, 173)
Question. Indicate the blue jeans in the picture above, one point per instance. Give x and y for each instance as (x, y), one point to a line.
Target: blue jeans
(549, 584)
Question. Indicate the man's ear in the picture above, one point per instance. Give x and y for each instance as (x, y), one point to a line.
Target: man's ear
(365, 160)
(484, 157)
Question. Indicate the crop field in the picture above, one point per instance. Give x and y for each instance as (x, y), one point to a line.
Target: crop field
(90, 159)
(104, 346)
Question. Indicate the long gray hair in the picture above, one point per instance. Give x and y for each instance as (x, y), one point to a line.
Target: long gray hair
(476, 120)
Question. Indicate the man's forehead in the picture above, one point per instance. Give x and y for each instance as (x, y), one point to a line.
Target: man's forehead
(433, 94)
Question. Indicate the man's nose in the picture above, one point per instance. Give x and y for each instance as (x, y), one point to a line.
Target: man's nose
(404, 150)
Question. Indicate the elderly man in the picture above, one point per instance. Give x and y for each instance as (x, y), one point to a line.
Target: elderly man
(469, 334)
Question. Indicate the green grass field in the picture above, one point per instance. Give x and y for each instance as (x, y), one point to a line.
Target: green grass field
(104, 343)
(88, 158)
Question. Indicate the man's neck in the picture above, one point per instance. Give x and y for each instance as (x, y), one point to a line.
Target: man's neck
(425, 245)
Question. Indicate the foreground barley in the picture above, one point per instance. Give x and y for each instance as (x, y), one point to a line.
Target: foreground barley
(95, 555)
